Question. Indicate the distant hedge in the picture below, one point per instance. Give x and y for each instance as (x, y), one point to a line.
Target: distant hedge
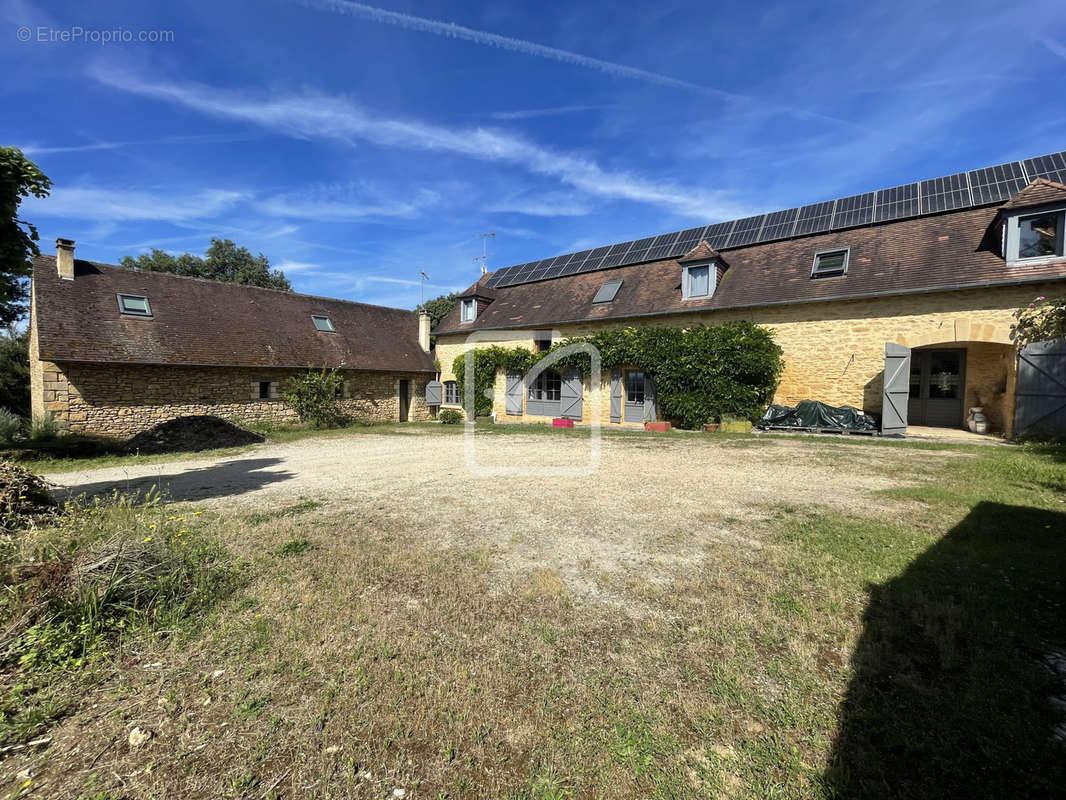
(701, 373)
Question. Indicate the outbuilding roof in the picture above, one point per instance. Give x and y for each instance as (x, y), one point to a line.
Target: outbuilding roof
(207, 323)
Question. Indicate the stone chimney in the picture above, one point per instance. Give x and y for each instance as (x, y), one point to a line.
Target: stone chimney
(423, 330)
(65, 258)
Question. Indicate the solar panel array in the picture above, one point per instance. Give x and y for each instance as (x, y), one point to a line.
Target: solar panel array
(977, 187)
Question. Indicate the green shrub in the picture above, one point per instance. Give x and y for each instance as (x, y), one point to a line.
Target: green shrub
(313, 396)
(451, 416)
(10, 427)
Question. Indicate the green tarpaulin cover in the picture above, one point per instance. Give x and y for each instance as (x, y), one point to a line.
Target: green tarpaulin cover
(813, 414)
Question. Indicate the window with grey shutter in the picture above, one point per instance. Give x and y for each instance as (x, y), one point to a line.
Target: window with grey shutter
(434, 393)
(514, 393)
(616, 395)
(570, 405)
(635, 393)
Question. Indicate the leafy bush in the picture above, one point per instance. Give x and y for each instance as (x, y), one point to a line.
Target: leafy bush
(313, 396)
(10, 426)
(1042, 319)
(700, 373)
(451, 416)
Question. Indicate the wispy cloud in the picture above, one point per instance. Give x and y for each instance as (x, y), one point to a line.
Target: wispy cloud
(104, 204)
(320, 116)
(210, 138)
(533, 113)
(343, 204)
(294, 266)
(452, 30)
(548, 205)
(1054, 45)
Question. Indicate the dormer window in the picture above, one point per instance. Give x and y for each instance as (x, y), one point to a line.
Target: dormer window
(469, 310)
(134, 305)
(323, 324)
(698, 281)
(830, 263)
(1033, 236)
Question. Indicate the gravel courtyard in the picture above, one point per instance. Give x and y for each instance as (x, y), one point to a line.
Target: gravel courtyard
(684, 489)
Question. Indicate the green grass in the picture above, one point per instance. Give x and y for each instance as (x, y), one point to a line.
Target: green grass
(890, 654)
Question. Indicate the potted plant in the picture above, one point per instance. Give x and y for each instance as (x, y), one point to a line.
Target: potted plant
(711, 427)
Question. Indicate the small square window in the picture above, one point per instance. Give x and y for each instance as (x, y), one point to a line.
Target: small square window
(338, 392)
(830, 263)
(135, 305)
(264, 390)
(1040, 235)
(323, 324)
(542, 341)
(699, 281)
(469, 310)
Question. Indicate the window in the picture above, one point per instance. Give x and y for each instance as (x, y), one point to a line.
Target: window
(542, 341)
(608, 291)
(338, 393)
(264, 390)
(1040, 235)
(698, 281)
(469, 310)
(323, 324)
(830, 263)
(134, 305)
(635, 387)
(546, 386)
(451, 393)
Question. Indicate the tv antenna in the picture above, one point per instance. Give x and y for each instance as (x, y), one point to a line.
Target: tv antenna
(422, 278)
(484, 257)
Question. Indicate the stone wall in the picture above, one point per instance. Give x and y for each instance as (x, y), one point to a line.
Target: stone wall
(834, 351)
(119, 400)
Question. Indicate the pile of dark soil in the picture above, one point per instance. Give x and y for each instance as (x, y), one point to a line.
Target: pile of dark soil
(23, 497)
(190, 435)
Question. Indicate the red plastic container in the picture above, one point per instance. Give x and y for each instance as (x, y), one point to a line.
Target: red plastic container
(559, 422)
(657, 427)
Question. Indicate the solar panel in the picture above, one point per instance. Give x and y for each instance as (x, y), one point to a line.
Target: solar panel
(1052, 167)
(897, 202)
(779, 224)
(717, 235)
(855, 210)
(814, 218)
(976, 187)
(662, 246)
(746, 231)
(995, 184)
(944, 194)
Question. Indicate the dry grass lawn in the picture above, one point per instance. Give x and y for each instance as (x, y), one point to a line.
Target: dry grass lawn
(703, 617)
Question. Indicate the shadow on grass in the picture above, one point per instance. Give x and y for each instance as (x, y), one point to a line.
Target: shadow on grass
(953, 693)
(225, 479)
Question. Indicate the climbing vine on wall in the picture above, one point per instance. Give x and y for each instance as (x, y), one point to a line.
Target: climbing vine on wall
(700, 373)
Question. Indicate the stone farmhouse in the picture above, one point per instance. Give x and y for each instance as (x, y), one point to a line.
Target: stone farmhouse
(897, 301)
(114, 351)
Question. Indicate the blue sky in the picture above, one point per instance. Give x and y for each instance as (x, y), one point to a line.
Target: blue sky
(358, 144)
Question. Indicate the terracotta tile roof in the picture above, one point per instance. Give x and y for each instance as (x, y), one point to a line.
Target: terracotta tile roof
(939, 252)
(203, 322)
(1037, 193)
(701, 252)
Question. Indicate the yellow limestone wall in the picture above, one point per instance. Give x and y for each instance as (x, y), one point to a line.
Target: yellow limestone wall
(834, 351)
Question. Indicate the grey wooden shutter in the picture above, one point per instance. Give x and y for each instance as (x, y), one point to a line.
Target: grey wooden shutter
(649, 399)
(616, 395)
(434, 393)
(1040, 398)
(897, 390)
(570, 395)
(514, 393)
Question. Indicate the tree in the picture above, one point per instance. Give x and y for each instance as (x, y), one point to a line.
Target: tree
(439, 307)
(15, 371)
(224, 261)
(19, 178)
